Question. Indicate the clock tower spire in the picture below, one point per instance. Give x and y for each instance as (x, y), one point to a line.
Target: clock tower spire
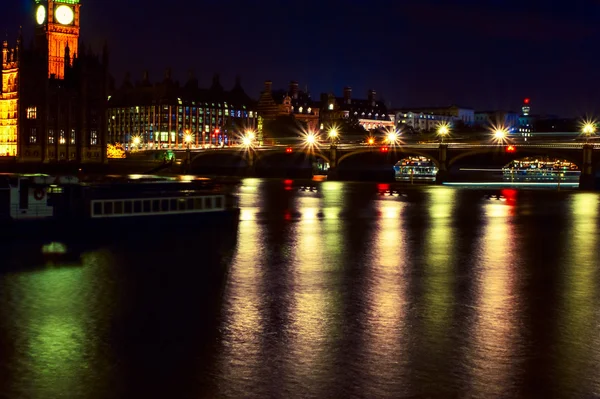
(58, 29)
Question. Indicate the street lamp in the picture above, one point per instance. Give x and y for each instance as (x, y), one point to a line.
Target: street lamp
(310, 139)
(136, 141)
(333, 134)
(589, 129)
(443, 130)
(247, 141)
(392, 137)
(188, 141)
(500, 133)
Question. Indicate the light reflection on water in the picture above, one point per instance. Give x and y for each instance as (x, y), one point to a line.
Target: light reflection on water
(496, 351)
(337, 292)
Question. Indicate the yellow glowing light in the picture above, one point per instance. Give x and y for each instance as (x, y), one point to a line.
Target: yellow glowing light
(443, 129)
(310, 139)
(115, 151)
(136, 140)
(333, 133)
(371, 140)
(392, 137)
(250, 134)
(188, 138)
(589, 128)
(247, 141)
(500, 133)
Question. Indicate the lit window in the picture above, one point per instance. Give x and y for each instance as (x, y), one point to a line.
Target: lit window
(61, 137)
(72, 138)
(331, 107)
(94, 137)
(32, 113)
(33, 136)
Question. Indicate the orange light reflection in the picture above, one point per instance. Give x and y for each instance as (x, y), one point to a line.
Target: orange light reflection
(496, 334)
(387, 286)
(316, 312)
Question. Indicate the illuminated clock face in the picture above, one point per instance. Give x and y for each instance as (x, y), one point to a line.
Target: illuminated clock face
(64, 15)
(40, 15)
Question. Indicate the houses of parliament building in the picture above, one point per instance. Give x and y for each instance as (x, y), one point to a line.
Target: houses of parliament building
(53, 98)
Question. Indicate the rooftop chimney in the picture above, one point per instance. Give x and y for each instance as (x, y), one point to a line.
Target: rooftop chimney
(294, 89)
(347, 95)
(268, 86)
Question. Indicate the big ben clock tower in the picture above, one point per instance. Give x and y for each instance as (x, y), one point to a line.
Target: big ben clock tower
(58, 28)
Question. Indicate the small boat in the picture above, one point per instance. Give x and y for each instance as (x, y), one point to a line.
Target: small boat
(62, 205)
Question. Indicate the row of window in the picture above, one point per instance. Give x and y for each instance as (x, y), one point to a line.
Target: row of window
(164, 205)
(33, 136)
(180, 109)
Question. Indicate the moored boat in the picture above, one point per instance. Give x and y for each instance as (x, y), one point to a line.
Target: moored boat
(64, 205)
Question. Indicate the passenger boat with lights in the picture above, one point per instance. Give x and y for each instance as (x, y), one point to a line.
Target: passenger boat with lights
(415, 168)
(66, 204)
(533, 169)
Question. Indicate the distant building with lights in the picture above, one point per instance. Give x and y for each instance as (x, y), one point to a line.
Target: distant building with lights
(53, 98)
(421, 122)
(370, 113)
(160, 114)
(454, 113)
(293, 102)
(526, 120)
(508, 120)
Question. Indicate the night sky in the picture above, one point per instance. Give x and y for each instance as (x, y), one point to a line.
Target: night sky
(485, 54)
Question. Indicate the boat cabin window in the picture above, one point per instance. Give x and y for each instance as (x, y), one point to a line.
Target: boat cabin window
(108, 208)
(128, 207)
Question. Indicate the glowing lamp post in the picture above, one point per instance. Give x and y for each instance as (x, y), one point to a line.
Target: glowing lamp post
(589, 129)
(443, 131)
(500, 134)
(135, 143)
(392, 138)
(188, 142)
(333, 135)
(310, 139)
(246, 141)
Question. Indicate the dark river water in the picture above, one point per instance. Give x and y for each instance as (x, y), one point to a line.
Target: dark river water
(338, 292)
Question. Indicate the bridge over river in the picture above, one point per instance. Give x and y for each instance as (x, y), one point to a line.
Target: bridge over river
(339, 158)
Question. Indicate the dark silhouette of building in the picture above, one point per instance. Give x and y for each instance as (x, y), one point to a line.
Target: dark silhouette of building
(370, 113)
(293, 105)
(53, 101)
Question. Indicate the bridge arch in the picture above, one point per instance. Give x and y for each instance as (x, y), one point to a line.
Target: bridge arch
(221, 153)
(394, 153)
(264, 156)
